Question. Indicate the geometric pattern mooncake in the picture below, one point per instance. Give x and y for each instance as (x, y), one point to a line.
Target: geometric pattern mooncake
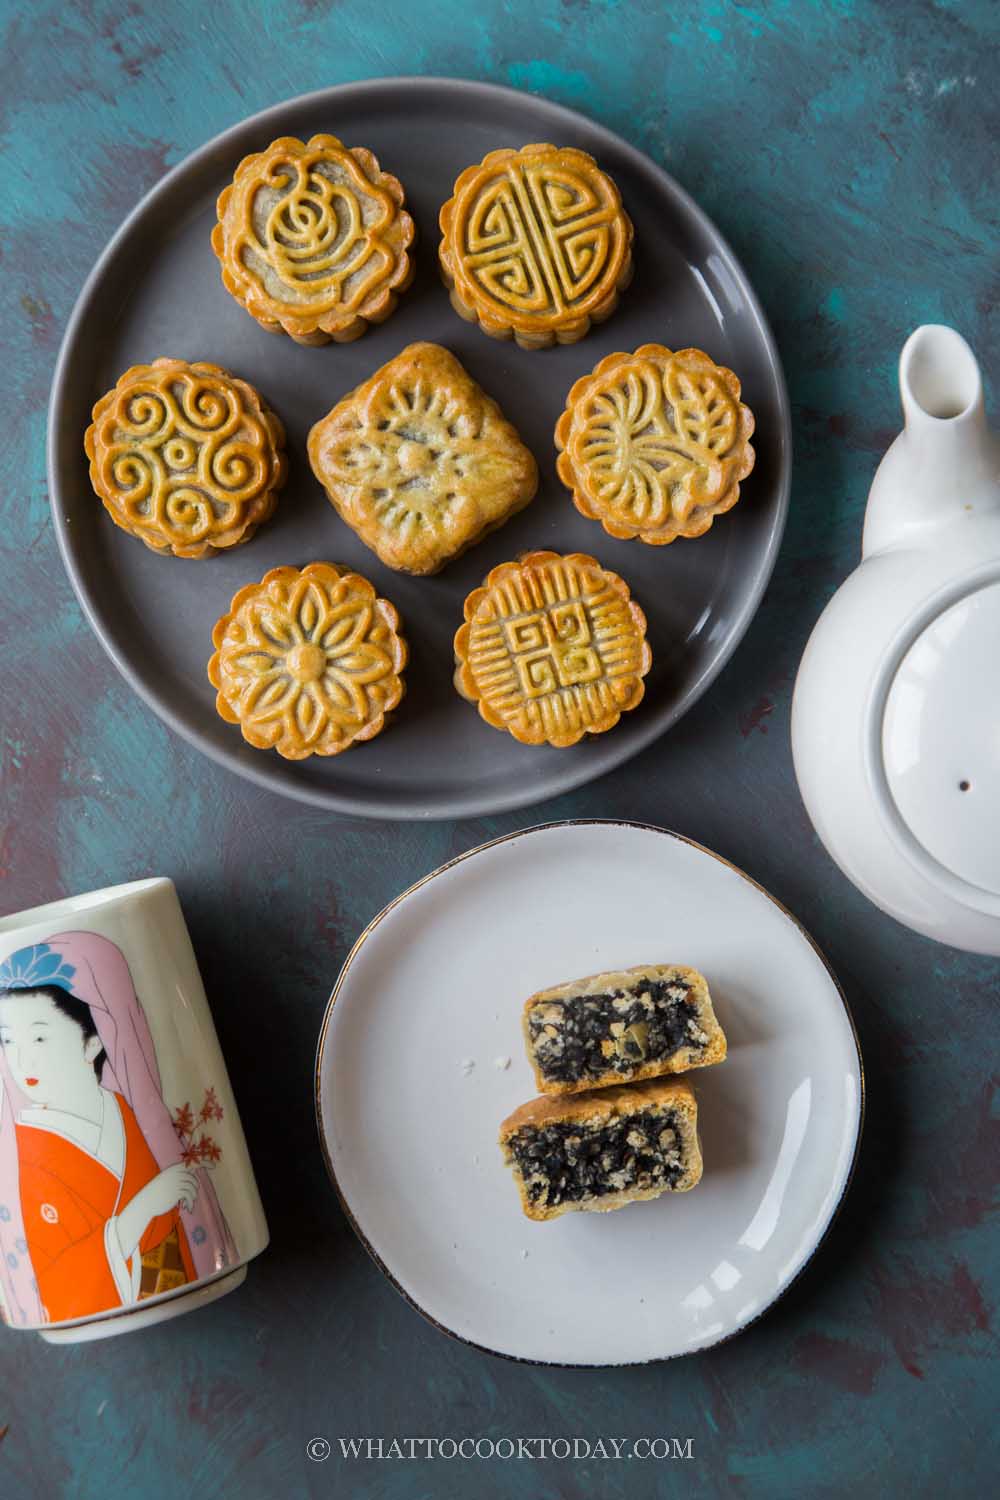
(312, 239)
(552, 648)
(308, 662)
(186, 457)
(654, 444)
(420, 462)
(535, 244)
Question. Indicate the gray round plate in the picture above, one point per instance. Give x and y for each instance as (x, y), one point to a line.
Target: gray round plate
(156, 291)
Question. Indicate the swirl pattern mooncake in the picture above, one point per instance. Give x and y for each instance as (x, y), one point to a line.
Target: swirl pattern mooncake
(420, 462)
(186, 457)
(535, 244)
(313, 238)
(552, 648)
(308, 663)
(654, 444)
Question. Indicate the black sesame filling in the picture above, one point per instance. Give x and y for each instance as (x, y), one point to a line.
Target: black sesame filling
(589, 1036)
(568, 1160)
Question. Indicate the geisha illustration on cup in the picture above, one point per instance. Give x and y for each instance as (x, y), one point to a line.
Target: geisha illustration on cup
(105, 1192)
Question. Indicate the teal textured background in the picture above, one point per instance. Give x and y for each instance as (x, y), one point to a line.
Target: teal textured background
(848, 153)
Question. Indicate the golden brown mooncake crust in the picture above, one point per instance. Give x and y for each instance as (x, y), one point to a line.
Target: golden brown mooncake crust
(673, 1095)
(186, 457)
(313, 239)
(308, 662)
(711, 1050)
(535, 244)
(552, 648)
(654, 444)
(420, 462)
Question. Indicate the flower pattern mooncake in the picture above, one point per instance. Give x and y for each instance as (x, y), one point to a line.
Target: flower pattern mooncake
(535, 245)
(654, 444)
(420, 462)
(552, 648)
(308, 662)
(186, 457)
(313, 239)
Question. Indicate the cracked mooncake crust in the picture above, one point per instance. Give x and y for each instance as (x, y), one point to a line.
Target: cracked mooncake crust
(597, 1152)
(186, 457)
(621, 1026)
(654, 444)
(420, 462)
(308, 662)
(535, 245)
(313, 239)
(552, 648)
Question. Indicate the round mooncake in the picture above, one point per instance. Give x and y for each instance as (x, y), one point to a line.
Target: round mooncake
(186, 457)
(654, 444)
(552, 648)
(313, 239)
(308, 662)
(535, 245)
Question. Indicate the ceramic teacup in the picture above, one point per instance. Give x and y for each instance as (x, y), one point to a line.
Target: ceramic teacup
(126, 1192)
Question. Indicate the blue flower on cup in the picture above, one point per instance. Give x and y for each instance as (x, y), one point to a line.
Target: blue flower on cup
(36, 965)
(21, 1245)
(12, 1260)
(4, 1214)
(199, 1236)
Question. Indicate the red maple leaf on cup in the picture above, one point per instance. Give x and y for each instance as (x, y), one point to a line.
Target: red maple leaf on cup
(202, 1151)
(211, 1109)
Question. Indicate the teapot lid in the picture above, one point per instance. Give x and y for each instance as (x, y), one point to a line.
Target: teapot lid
(936, 742)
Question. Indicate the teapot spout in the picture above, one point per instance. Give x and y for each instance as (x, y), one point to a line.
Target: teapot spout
(946, 462)
(939, 378)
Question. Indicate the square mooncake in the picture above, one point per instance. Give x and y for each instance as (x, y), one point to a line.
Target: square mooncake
(420, 462)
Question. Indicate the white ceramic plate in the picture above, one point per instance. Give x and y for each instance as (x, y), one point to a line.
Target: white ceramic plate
(409, 1128)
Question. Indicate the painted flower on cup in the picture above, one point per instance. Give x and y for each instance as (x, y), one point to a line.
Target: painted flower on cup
(308, 662)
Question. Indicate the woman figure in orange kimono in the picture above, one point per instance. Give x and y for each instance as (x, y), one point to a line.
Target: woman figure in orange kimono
(87, 1138)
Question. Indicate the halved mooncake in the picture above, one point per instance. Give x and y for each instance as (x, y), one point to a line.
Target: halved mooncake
(596, 1152)
(535, 245)
(313, 239)
(621, 1026)
(420, 462)
(186, 457)
(654, 444)
(552, 648)
(308, 662)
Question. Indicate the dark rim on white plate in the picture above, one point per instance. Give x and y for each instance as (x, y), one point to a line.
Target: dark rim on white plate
(441, 870)
(262, 770)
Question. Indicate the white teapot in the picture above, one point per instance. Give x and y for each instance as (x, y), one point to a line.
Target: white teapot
(896, 713)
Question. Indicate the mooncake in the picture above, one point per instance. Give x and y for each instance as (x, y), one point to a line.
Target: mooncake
(596, 1152)
(621, 1026)
(186, 457)
(552, 648)
(420, 462)
(535, 245)
(654, 444)
(308, 662)
(313, 239)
